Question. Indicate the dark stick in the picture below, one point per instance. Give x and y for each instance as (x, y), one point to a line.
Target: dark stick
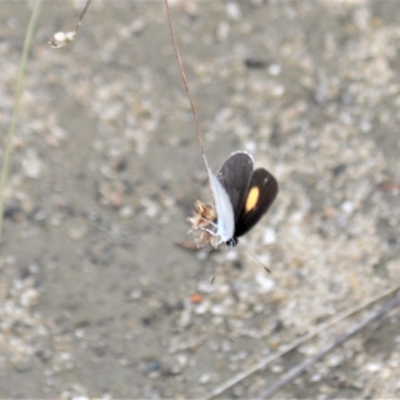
(300, 368)
(261, 365)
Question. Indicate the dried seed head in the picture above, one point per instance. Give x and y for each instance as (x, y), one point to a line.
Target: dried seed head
(203, 223)
(61, 39)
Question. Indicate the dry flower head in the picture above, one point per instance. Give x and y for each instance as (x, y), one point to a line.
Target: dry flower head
(61, 39)
(203, 224)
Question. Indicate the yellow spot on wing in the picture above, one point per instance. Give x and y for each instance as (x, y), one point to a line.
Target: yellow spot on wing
(252, 198)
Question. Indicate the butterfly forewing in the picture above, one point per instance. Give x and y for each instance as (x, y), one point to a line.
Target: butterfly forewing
(235, 176)
(260, 195)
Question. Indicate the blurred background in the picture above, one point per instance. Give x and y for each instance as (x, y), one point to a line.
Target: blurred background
(97, 299)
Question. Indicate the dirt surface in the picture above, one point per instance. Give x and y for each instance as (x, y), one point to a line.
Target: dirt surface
(97, 300)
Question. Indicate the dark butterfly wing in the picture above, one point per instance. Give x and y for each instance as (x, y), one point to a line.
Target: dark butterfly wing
(235, 176)
(259, 197)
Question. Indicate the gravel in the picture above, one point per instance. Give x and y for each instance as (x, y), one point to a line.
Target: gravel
(96, 298)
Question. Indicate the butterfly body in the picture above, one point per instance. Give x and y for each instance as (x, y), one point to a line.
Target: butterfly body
(241, 196)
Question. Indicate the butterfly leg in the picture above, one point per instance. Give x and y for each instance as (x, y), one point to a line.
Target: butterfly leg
(212, 233)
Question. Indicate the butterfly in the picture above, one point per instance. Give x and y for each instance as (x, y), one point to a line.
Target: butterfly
(241, 197)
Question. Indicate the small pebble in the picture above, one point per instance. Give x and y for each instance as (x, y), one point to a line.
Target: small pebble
(269, 236)
(233, 11)
(347, 207)
(274, 69)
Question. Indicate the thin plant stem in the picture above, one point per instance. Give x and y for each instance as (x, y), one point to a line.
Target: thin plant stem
(186, 84)
(16, 109)
(78, 25)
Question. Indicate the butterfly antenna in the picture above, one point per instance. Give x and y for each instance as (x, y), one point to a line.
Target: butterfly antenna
(185, 83)
(255, 258)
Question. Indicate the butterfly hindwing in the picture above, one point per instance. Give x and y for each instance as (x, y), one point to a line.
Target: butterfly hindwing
(235, 176)
(260, 195)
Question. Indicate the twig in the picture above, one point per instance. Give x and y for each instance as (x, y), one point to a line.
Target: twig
(261, 365)
(300, 368)
(17, 102)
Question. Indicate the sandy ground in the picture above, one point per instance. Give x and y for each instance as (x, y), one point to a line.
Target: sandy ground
(96, 298)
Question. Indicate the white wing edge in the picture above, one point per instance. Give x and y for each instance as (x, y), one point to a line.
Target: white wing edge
(224, 209)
